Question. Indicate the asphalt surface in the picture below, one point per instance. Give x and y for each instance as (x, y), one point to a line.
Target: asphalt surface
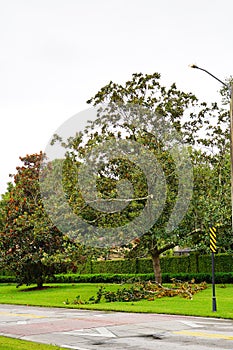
(87, 330)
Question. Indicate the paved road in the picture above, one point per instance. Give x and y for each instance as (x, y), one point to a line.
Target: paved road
(89, 330)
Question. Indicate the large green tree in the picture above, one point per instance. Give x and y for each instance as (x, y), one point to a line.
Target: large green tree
(123, 180)
(28, 239)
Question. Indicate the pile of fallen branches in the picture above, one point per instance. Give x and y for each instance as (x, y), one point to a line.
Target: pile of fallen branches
(145, 290)
(151, 291)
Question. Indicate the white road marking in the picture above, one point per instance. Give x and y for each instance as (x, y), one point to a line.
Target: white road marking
(191, 324)
(105, 332)
(94, 332)
(101, 315)
(73, 347)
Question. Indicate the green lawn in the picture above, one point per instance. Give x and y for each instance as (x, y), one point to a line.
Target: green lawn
(201, 305)
(15, 344)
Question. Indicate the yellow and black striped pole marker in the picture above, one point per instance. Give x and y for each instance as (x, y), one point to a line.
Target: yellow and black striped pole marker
(213, 241)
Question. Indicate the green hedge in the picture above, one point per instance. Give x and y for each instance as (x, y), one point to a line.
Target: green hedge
(130, 278)
(122, 278)
(125, 266)
(113, 266)
(7, 279)
(193, 263)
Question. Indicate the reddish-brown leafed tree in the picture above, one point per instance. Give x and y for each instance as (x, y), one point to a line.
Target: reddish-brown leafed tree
(28, 237)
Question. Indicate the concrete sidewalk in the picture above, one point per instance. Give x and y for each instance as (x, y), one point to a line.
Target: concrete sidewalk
(87, 330)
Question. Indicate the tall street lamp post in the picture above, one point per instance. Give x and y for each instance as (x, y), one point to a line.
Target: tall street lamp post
(230, 88)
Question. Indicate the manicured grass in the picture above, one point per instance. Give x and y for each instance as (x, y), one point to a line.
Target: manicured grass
(16, 344)
(201, 305)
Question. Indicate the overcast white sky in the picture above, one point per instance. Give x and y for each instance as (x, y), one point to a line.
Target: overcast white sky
(55, 54)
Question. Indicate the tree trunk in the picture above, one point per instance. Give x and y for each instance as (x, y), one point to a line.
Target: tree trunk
(157, 268)
(39, 282)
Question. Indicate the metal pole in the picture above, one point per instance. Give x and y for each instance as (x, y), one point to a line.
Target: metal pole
(214, 304)
(230, 88)
(231, 154)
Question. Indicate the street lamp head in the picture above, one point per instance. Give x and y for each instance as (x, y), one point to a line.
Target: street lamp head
(193, 66)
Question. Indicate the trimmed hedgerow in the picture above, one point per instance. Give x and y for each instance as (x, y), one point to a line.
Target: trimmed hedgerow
(193, 263)
(220, 277)
(7, 279)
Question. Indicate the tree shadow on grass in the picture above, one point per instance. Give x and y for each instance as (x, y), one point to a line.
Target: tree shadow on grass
(36, 288)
